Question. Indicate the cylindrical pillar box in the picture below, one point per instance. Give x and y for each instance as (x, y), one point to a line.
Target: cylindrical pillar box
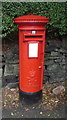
(31, 52)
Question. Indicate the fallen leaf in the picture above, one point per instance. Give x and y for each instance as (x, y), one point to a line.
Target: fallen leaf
(13, 103)
(41, 113)
(13, 89)
(26, 109)
(56, 101)
(49, 115)
(12, 114)
(9, 96)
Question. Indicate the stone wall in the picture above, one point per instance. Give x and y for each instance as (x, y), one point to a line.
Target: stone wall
(55, 61)
(54, 68)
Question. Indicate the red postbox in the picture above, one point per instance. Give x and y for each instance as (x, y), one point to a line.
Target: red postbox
(31, 52)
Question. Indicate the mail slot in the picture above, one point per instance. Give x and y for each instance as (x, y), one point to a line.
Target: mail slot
(31, 53)
(28, 37)
(33, 36)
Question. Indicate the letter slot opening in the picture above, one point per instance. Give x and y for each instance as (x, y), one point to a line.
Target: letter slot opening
(32, 36)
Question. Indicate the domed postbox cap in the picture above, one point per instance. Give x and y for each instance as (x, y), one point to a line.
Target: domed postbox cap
(31, 19)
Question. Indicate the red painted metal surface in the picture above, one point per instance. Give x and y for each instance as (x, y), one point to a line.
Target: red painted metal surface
(31, 68)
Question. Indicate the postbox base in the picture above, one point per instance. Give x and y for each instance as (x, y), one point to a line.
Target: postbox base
(30, 97)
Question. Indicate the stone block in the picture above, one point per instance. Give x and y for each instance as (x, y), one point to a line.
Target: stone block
(12, 61)
(56, 49)
(58, 60)
(57, 76)
(0, 58)
(11, 69)
(49, 62)
(11, 53)
(0, 65)
(50, 48)
(0, 82)
(11, 78)
(55, 54)
(55, 43)
(52, 57)
(0, 72)
(61, 50)
(63, 61)
(12, 85)
(54, 80)
(52, 67)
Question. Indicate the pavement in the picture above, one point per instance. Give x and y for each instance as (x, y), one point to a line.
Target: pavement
(32, 111)
(44, 108)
